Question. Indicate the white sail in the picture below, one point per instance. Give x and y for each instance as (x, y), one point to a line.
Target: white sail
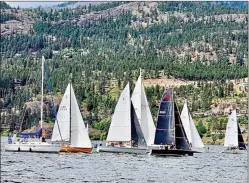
(79, 132)
(143, 113)
(231, 137)
(63, 117)
(190, 129)
(120, 128)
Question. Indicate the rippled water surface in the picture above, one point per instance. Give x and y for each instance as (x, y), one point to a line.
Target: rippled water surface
(108, 167)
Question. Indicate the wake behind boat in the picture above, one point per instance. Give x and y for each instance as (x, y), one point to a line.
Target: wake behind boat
(38, 142)
(170, 137)
(125, 134)
(233, 139)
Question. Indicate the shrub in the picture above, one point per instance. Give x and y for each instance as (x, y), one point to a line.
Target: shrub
(208, 134)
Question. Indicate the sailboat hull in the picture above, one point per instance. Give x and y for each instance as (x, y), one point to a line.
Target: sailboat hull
(234, 151)
(173, 152)
(76, 149)
(38, 147)
(122, 150)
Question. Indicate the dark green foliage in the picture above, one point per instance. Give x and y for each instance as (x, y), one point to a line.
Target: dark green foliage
(109, 50)
(201, 128)
(4, 5)
(5, 17)
(221, 135)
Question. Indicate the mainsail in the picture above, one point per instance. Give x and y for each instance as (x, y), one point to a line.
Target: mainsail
(165, 129)
(120, 128)
(169, 129)
(71, 123)
(143, 113)
(190, 129)
(231, 137)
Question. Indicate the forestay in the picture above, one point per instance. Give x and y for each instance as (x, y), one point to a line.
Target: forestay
(120, 128)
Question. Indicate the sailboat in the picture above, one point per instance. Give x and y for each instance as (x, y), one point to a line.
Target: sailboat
(37, 145)
(125, 134)
(190, 130)
(233, 138)
(170, 136)
(73, 133)
(143, 113)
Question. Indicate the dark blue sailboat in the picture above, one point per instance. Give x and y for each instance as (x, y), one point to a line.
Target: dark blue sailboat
(170, 137)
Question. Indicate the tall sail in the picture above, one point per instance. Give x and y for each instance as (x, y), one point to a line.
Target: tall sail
(136, 131)
(231, 137)
(79, 132)
(120, 128)
(165, 128)
(180, 135)
(63, 117)
(142, 110)
(190, 129)
(240, 139)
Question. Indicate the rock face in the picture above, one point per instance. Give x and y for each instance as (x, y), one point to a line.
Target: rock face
(22, 24)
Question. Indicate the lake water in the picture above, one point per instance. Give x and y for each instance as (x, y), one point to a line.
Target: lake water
(108, 167)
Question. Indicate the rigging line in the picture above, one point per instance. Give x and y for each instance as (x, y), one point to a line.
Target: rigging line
(51, 97)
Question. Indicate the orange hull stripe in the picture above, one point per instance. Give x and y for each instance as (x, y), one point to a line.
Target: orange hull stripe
(76, 149)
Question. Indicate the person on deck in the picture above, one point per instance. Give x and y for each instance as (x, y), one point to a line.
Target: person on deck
(172, 145)
(190, 145)
(10, 138)
(121, 144)
(14, 138)
(132, 143)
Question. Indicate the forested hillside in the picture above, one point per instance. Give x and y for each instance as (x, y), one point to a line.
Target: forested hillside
(203, 45)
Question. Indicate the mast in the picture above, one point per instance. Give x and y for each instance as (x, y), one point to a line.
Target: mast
(70, 111)
(191, 135)
(173, 104)
(140, 94)
(42, 89)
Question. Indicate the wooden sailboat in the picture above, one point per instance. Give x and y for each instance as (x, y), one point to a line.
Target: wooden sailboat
(35, 145)
(233, 139)
(143, 113)
(193, 136)
(170, 137)
(125, 134)
(72, 132)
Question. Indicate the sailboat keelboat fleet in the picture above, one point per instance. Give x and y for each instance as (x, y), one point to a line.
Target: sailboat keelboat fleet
(132, 129)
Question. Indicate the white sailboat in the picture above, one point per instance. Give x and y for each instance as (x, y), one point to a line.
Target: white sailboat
(72, 131)
(37, 145)
(190, 130)
(143, 113)
(233, 138)
(119, 138)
